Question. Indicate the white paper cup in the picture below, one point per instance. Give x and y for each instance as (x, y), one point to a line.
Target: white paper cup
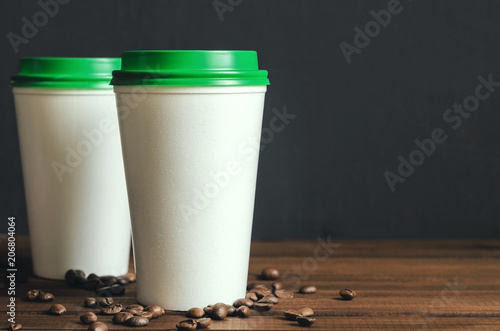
(73, 171)
(190, 155)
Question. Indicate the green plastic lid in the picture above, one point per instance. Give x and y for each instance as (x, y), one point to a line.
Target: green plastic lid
(190, 68)
(65, 72)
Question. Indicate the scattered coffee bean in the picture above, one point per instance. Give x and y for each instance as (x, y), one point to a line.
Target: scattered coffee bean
(149, 315)
(156, 310)
(32, 295)
(98, 326)
(219, 311)
(195, 312)
(243, 311)
(284, 294)
(291, 315)
(88, 318)
(232, 311)
(186, 325)
(270, 274)
(208, 310)
(252, 296)
(243, 302)
(203, 323)
(122, 317)
(137, 321)
(123, 280)
(135, 307)
(308, 289)
(116, 289)
(112, 309)
(277, 286)
(45, 296)
(90, 302)
(57, 309)
(92, 276)
(106, 301)
(306, 311)
(305, 321)
(260, 293)
(92, 284)
(80, 277)
(15, 326)
(269, 298)
(70, 277)
(263, 306)
(250, 286)
(109, 280)
(347, 294)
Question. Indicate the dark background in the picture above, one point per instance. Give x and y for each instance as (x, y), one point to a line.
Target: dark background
(324, 174)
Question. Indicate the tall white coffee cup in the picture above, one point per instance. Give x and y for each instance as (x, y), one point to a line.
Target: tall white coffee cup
(72, 166)
(190, 125)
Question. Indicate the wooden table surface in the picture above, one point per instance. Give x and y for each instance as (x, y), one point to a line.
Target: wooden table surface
(401, 285)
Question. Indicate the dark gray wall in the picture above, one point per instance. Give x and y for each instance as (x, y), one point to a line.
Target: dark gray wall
(323, 174)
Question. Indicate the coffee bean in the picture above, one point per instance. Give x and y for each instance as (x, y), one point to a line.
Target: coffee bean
(203, 323)
(111, 310)
(98, 326)
(195, 312)
(243, 302)
(291, 315)
(137, 321)
(149, 315)
(88, 318)
(108, 280)
(263, 306)
(284, 294)
(93, 276)
(136, 312)
(219, 311)
(186, 325)
(116, 289)
(80, 277)
(232, 311)
(57, 309)
(92, 284)
(32, 295)
(252, 296)
(122, 317)
(156, 310)
(244, 311)
(277, 286)
(308, 289)
(270, 274)
(45, 297)
(260, 293)
(208, 310)
(305, 321)
(122, 280)
(347, 294)
(306, 311)
(269, 298)
(250, 286)
(106, 301)
(136, 307)
(90, 302)
(15, 326)
(70, 277)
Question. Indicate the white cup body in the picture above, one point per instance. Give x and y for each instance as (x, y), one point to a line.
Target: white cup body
(191, 157)
(74, 181)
